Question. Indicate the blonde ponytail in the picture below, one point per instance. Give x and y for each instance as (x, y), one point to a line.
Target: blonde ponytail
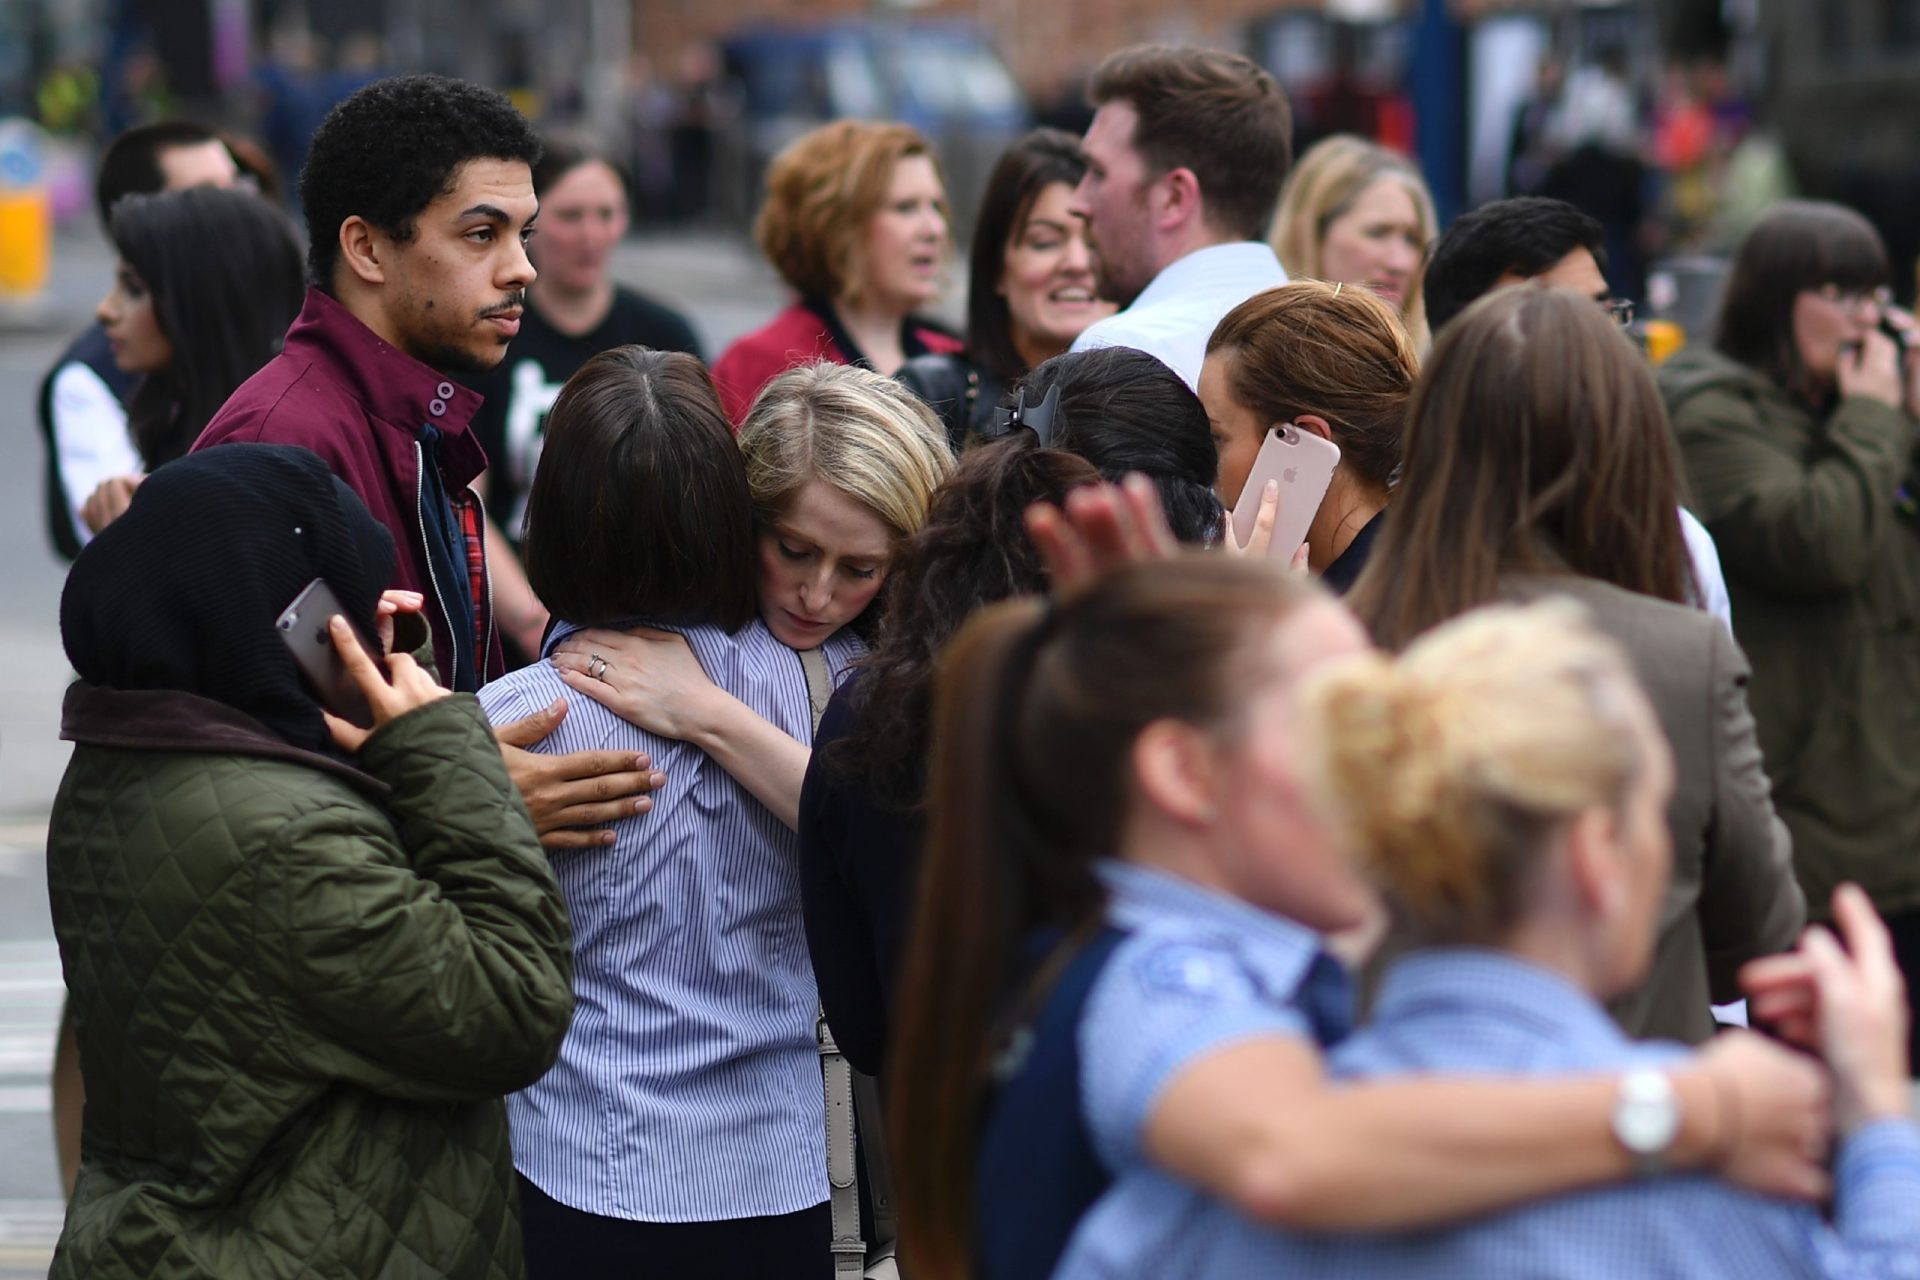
(1451, 766)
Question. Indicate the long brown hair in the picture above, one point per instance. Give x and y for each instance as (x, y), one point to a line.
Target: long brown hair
(1536, 442)
(1339, 353)
(1036, 709)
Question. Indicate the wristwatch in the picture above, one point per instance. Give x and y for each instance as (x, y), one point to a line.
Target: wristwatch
(1646, 1119)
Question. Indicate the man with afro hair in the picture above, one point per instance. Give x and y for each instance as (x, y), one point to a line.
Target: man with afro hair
(419, 202)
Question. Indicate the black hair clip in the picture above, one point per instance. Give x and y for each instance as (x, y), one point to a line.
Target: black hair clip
(1037, 418)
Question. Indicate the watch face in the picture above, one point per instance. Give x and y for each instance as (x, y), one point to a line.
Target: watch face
(1646, 1126)
(1647, 1116)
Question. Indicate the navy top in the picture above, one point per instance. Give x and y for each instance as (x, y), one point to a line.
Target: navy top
(859, 869)
(447, 560)
(1345, 569)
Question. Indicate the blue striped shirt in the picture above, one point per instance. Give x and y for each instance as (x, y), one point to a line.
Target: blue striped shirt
(688, 1087)
(1480, 1012)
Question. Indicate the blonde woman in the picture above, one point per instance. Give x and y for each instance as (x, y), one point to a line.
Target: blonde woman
(1504, 784)
(1353, 212)
(855, 222)
(841, 465)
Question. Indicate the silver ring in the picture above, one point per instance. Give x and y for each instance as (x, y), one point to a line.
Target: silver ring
(597, 668)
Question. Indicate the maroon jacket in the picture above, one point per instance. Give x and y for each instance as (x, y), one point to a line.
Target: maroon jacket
(338, 389)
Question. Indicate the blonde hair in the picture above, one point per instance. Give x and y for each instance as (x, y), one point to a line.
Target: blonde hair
(1451, 766)
(1324, 185)
(864, 434)
(822, 191)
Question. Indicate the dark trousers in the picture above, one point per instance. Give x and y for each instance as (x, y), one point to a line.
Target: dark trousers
(568, 1244)
(1905, 928)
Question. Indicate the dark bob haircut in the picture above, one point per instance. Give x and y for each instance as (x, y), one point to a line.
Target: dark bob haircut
(1794, 246)
(1524, 236)
(224, 271)
(1027, 168)
(392, 149)
(639, 509)
(1124, 411)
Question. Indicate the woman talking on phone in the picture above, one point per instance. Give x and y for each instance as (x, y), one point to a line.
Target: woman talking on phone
(1329, 361)
(361, 921)
(1797, 429)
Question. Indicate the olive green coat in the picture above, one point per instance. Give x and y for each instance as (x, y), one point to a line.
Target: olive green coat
(1823, 569)
(300, 990)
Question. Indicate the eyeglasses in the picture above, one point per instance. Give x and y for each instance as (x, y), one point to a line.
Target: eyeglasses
(1619, 310)
(1855, 299)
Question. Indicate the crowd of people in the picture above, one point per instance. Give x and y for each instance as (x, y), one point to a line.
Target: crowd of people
(889, 802)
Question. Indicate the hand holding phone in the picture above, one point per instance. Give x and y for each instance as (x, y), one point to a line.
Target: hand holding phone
(412, 686)
(1300, 464)
(303, 629)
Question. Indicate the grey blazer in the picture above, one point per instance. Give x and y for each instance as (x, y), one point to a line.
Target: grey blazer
(1733, 896)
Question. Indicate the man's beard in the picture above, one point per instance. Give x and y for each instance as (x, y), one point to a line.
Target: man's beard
(439, 350)
(1120, 292)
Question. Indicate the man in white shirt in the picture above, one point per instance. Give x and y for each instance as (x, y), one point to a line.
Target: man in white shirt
(1508, 242)
(83, 413)
(1185, 159)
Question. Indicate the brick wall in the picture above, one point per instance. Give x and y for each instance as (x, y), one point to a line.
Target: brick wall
(1046, 42)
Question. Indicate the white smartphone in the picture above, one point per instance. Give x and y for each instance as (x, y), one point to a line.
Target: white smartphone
(1303, 465)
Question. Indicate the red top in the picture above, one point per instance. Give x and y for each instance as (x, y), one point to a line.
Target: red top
(803, 335)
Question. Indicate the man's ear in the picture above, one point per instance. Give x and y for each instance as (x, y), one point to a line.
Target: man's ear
(1177, 198)
(1173, 769)
(361, 247)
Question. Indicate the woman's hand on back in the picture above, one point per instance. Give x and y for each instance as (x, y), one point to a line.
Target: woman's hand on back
(409, 689)
(648, 678)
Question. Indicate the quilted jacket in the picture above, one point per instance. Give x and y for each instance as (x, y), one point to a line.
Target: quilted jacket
(300, 988)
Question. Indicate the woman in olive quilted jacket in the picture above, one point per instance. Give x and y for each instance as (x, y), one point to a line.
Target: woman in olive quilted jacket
(304, 960)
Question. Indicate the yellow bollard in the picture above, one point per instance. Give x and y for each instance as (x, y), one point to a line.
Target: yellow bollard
(26, 212)
(1664, 339)
(26, 242)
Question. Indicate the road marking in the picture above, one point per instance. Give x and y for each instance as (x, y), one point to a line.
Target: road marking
(31, 1221)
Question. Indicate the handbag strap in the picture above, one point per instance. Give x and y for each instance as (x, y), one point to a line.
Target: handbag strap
(819, 682)
(836, 1073)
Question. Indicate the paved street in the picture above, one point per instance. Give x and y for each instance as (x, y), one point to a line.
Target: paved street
(720, 283)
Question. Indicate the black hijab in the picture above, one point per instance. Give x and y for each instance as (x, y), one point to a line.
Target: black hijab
(182, 591)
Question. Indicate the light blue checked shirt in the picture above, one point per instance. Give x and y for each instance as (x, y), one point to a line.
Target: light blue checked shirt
(1197, 970)
(688, 1087)
(1480, 1012)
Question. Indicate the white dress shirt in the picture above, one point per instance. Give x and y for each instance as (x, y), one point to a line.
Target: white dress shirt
(1177, 312)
